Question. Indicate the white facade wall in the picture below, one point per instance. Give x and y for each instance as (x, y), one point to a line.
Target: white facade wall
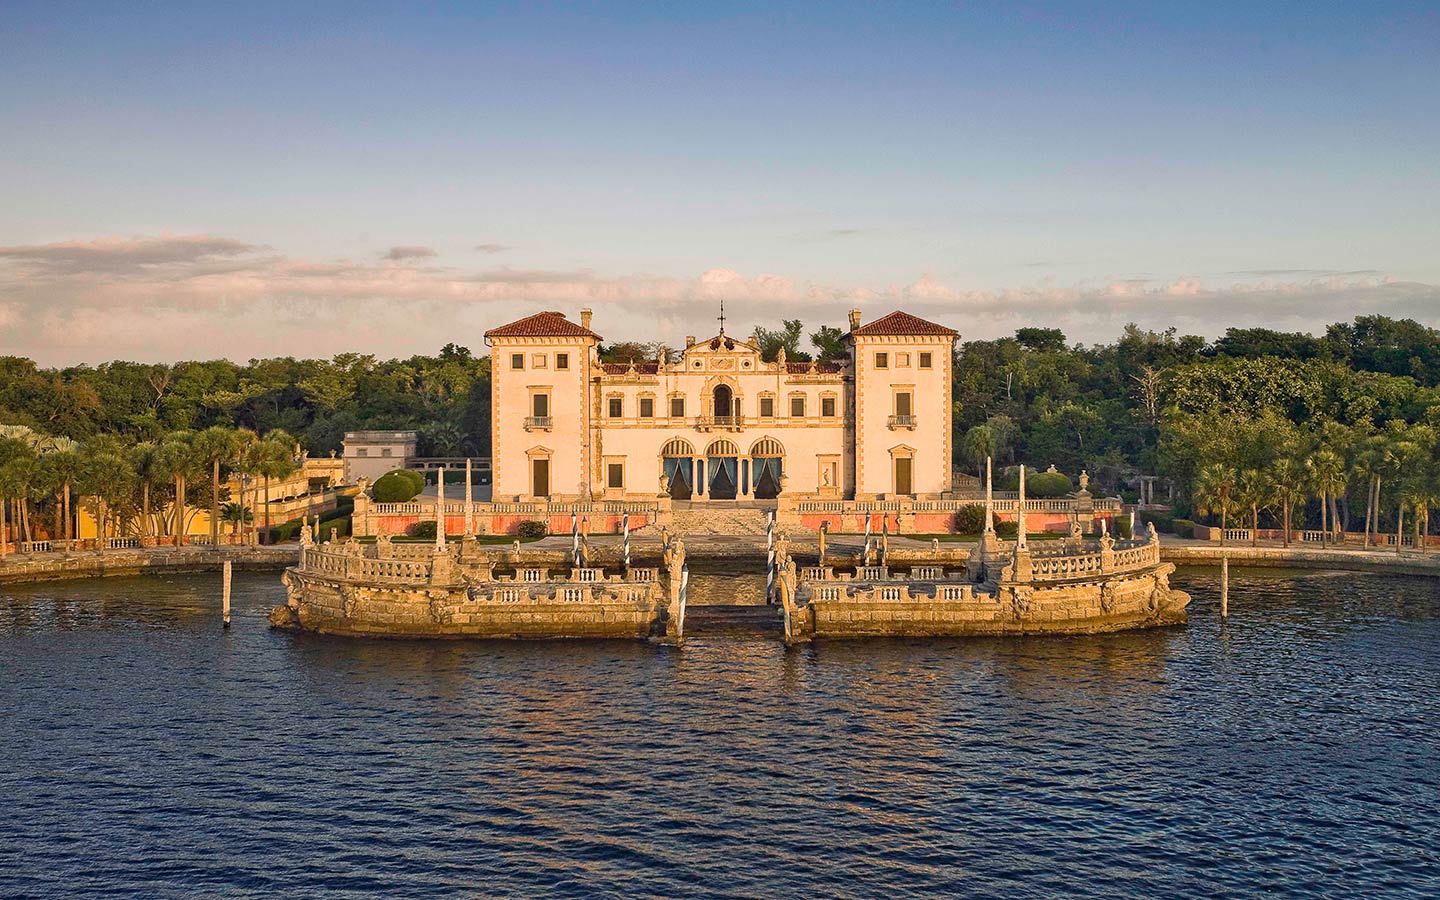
(846, 454)
(878, 441)
(565, 442)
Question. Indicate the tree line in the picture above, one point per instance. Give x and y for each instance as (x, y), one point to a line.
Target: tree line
(132, 486)
(1149, 403)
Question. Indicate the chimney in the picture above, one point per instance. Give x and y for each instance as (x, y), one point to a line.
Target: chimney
(585, 315)
(689, 341)
(854, 319)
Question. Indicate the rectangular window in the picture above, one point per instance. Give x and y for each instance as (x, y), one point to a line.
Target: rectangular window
(362, 452)
(767, 407)
(827, 407)
(647, 407)
(882, 360)
(797, 407)
(385, 452)
(902, 403)
(615, 475)
(537, 361)
(927, 360)
(677, 407)
(562, 360)
(902, 360)
(617, 407)
(517, 360)
(540, 405)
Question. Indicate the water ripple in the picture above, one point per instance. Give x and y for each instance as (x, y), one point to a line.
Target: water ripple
(1291, 752)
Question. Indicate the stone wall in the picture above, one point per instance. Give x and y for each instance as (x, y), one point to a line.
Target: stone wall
(939, 609)
(336, 606)
(148, 561)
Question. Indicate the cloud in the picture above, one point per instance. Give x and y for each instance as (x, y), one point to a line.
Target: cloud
(411, 252)
(183, 297)
(493, 248)
(122, 256)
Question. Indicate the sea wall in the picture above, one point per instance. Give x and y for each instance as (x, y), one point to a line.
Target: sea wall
(17, 569)
(1303, 557)
(503, 608)
(939, 609)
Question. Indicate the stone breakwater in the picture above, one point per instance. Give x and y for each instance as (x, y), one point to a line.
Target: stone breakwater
(60, 566)
(455, 592)
(1071, 587)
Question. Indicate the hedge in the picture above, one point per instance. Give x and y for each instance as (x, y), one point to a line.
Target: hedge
(422, 530)
(970, 519)
(1184, 528)
(398, 486)
(1164, 521)
(531, 531)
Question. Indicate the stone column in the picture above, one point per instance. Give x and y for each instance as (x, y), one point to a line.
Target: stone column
(1020, 513)
(989, 499)
(469, 511)
(440, 510)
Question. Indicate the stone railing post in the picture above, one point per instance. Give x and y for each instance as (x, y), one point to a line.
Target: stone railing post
(360, 517)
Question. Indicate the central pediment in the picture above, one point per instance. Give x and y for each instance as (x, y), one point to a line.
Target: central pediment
(721, 353)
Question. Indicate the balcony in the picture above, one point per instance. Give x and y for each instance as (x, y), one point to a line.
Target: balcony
(538, 423)
(902, 422)
(724, 423)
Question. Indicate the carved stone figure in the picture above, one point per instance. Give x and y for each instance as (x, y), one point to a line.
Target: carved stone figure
(1021, 602)
(1107, 597)
(664, 484)
(1153, 536)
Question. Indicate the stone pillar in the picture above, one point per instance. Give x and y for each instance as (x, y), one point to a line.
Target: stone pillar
(1020, 513)
(469, 510)
(989, 499)
(361, 515)
(440, 510)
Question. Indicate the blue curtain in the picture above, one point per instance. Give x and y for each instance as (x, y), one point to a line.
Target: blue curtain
(760, 466)
(726, 464)
(674, 464)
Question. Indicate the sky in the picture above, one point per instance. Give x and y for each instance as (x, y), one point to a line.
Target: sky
(252, 180)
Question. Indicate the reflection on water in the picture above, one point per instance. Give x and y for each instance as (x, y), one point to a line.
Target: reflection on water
(1289, 753)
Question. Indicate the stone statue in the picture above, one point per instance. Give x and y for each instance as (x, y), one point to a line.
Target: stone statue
(364, 485)
(826, 477)
(664, 483)
(674, 556)
(307, 537)
(782, 547)
(1076, 535)
(785, 581)
(824, 531)
(1153, 536)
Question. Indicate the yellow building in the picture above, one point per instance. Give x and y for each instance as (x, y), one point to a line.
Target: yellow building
(720, 424)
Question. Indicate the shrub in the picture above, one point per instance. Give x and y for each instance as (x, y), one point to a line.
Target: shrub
(422, 530)
(1163, 521)
(1183, 528)
(531, 531)
(334, 530)
(1047, 484)
(1008, 530)
(970, 519)
(285, 531)
(1122, 527)
(396, 487)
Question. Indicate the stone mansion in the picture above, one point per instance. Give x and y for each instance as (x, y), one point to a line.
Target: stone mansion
(720, 424)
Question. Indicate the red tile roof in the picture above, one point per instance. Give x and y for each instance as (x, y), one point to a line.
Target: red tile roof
(901, 323)
(545, 324)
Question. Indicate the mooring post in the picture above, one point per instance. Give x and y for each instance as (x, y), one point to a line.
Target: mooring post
(1224, 587)
(225, 593)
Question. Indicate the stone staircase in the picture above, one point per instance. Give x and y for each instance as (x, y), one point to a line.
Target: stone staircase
(718, 520)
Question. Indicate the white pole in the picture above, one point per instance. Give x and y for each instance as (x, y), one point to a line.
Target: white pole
(575, 538)
(625, 526)
(225, 594)
(769, 556)
(1224, 587)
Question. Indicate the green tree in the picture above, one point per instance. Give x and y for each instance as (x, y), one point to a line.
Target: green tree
(1327, 476)
(216, 446)
(1214, 494)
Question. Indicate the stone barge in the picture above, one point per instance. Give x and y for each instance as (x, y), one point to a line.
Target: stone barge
(465, 590)
(1069, 587)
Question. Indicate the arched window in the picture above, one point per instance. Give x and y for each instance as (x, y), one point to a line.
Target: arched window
(722, 447)
(767, 447)
(677, 447)
(723, 401)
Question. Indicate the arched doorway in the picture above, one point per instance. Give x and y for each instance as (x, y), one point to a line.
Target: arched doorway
(677, 463)
(723, 469)
(724, 402)
(766, 468)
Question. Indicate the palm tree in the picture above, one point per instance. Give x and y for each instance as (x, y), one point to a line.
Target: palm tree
(979, 445)
(216, 445)
(176, 460)
(108, 477)
(10, 449)
(1289, 479)
(62, 459)
(1254, 491)
(237, 515)
(1214, 487)
(277, 451)
(1327, 472)
(143, 460)
(247, 465)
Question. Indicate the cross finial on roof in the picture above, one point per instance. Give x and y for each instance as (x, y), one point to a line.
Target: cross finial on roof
(722, 315)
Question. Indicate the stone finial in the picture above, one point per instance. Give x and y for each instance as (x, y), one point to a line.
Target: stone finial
(585, 316)
(1084, 480)
(854, 319)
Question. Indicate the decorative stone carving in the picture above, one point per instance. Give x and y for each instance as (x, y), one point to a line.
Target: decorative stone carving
(1107, 597)
(1021, 600)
